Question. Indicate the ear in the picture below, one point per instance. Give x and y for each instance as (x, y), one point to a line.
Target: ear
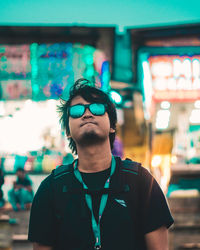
(112, 130)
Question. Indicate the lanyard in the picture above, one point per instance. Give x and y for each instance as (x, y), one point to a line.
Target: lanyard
(88, 198)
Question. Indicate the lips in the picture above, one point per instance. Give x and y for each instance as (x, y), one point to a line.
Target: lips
(84, 123)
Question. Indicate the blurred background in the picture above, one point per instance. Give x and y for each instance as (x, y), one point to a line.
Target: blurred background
(145, 54)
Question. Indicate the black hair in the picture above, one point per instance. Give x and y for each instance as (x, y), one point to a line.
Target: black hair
(21, 169)
(84, 88)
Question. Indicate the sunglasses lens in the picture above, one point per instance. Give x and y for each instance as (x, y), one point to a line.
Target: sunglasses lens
(76, 111)
(97, 109)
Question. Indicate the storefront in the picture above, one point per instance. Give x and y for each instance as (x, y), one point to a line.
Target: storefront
(36, 70)
(174, 82)
(169, 73)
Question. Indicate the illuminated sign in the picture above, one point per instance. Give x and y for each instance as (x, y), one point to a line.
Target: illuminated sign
(16, 89)
(175, 78)
(47, 71)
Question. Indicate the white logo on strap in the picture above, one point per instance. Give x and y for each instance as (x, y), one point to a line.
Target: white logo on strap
(121, 202)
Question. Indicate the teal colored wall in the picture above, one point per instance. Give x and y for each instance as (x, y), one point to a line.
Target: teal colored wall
(134, 13)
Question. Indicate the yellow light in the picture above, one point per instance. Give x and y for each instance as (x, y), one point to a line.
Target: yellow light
(156, 161)
(173, 159)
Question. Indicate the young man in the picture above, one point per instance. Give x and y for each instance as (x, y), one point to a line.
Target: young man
(99, 201)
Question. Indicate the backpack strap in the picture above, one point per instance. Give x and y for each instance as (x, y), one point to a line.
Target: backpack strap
(61, 182)
(62, 170)
(130, 166)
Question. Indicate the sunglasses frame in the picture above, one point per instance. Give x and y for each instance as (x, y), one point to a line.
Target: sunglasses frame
(87, 106)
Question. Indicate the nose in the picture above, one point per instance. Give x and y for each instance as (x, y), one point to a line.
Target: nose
(87, 113)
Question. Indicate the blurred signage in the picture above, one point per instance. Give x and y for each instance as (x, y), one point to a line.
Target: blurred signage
(16, 89)
(15, 72)
(47, 71)
(175, 78)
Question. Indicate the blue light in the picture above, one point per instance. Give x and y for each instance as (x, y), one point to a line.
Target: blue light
(105, 76)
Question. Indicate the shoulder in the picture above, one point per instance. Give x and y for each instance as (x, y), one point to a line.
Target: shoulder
(53, 179)
(45, 184)
(133, 167)
(62, 170)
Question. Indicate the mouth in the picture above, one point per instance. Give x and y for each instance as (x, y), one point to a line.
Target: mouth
(85, 123)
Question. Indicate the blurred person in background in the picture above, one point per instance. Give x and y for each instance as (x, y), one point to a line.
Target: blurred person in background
(98, 201)
(2, 201)
(118, 148)
(21, 194)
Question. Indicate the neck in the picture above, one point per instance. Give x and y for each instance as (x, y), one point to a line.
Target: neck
(94, 158)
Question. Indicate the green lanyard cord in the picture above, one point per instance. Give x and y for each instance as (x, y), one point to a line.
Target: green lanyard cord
(88, 198)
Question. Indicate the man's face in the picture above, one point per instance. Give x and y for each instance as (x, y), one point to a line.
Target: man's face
(20, 174)
(89, 128)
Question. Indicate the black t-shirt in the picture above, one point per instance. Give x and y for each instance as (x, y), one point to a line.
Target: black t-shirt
(96, 181)
(64, 220)
(24, 182)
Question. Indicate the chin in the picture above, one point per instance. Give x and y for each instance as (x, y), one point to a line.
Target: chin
(90, 138)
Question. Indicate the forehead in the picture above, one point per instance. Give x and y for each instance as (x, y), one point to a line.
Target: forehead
(78, 100)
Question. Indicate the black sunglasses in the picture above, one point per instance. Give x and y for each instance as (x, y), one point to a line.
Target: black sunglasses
(78, 110)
